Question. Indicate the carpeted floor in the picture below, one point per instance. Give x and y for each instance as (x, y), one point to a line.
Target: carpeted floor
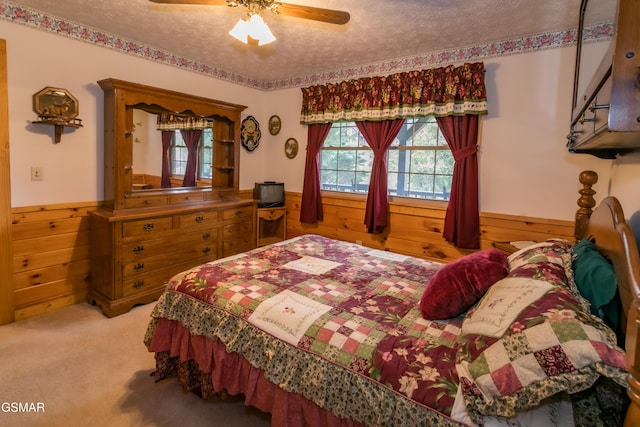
(76, 367)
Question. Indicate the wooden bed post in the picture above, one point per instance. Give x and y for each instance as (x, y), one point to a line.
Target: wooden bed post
(586, 202)
(613, 237)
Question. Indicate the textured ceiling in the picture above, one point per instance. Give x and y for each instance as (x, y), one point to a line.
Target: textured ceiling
(379, 30)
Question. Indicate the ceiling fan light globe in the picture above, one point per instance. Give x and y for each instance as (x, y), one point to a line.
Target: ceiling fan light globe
(258, 30)
(266, 39)
(241, 31)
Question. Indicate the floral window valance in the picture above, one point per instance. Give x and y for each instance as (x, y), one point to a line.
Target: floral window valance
(443, 91)
(171, 122)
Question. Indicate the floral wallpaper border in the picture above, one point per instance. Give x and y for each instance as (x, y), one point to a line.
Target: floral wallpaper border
(550, 40)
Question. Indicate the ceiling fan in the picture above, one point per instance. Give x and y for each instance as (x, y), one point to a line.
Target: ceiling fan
(255, 27)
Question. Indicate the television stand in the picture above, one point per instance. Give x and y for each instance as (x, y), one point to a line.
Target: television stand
(271, 225)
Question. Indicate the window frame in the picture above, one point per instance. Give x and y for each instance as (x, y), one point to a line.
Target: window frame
(173, 146)
(400, 147)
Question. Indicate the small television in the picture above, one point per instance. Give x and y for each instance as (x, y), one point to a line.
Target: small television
(270, 194)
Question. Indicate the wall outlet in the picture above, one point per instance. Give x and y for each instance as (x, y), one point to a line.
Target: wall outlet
(36, 173)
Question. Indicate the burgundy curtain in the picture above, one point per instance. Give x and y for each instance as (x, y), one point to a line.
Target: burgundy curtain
(462, 220)
(191, 139)
(311, 205)
(166, 166)
(379, 136)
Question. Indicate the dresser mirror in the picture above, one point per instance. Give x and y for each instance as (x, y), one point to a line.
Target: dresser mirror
(147, 155)
(134, 149)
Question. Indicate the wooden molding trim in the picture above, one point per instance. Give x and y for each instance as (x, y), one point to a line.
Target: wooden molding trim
(6, 288)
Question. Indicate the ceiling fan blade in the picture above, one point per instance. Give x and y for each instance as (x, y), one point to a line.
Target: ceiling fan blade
(202, 2)
(294, 10)
(314, 13)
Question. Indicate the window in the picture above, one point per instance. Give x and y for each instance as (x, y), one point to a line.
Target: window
(419, 162)
(178, 154)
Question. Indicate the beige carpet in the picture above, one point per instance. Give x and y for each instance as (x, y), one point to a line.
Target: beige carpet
(88, 370)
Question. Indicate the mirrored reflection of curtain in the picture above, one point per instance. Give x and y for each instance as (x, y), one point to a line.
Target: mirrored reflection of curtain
(191, 139)
(311, 204)
(379, 136)
(170, 122)
(462, 221)
(191, 130)
(166, 165)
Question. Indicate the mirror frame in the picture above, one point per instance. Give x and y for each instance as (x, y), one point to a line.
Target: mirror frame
(120, 99)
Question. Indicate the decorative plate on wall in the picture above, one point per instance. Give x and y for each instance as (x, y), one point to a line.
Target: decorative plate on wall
(56, 107)
(291, 148)
(250, 133)
(275, 124)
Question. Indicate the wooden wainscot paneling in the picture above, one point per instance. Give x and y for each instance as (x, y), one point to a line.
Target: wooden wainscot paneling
(415, 226)
(51, 257)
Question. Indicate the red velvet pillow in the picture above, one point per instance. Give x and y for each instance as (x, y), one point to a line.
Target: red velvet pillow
(458, 285)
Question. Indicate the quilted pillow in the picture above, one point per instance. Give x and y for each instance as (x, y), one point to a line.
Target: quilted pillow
(550, 346)
(549, 261)
(548, 251)
(502, 304)
(458, 285)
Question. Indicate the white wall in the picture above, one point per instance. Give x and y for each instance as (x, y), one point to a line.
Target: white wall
(525, 168)
(72, 169)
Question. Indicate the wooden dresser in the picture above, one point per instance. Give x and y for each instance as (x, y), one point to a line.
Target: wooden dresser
(135, 254)
(142, 237)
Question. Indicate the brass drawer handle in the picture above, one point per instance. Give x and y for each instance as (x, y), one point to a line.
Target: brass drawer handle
(206, 250)
(206, 236)
(138, 284)
(139, 266)
(199, 218)
(238, 213)
(148, 227)
(138, 249)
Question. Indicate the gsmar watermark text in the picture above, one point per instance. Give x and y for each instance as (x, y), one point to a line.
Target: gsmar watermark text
(22, 407)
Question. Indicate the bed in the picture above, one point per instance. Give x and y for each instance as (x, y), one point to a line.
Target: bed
(321, 332)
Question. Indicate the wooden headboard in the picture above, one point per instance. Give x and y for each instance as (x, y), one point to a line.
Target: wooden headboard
(607, 228)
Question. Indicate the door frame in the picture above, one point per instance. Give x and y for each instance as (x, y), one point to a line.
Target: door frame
(7, 309)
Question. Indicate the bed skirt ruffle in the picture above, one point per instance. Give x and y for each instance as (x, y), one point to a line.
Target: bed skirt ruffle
(203, 365)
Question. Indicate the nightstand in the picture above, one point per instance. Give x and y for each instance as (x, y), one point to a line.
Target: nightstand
(271, 225)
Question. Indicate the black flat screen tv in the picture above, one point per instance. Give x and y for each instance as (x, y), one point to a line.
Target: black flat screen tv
(270, 194)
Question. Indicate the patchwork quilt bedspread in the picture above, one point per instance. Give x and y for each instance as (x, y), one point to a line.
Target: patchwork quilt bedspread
(340, 324)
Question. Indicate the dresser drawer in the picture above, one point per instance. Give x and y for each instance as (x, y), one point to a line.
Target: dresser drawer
(198, 220)
(147, 227)
(237, 228)
(185, 198)
(237, 245)
(230, 214)
(145, 202)
(218, 194)
(142, 248)
(145, 282)
(185, 253)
